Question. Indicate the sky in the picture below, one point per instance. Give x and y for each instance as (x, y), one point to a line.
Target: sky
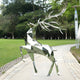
(0, 2)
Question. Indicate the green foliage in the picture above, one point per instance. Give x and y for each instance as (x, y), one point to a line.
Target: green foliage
(13, 11)
(32, 16)
(73, 2)
(1, 33)
(21, 30)
(8, 23)
(20, 13)
(25, 19)
(4, 23)
(55, 4)
(19, 8)
(67, 19)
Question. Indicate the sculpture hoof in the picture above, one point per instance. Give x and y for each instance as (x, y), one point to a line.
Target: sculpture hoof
(23, 60)
(58, 73)
(35, 73)
(48, 75)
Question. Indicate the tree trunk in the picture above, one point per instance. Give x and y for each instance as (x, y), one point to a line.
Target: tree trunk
(12, 35)
(70, 35)
(32, 2)
(66, 34)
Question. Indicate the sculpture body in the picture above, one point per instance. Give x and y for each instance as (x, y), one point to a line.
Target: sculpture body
(33, 47)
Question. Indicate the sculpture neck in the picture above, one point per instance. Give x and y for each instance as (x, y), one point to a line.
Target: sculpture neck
(32, 33)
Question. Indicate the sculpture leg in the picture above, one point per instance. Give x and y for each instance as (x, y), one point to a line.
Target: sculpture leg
(34, 67)
(57, 70)
(51, 68)
(21, 52)
(32, 57)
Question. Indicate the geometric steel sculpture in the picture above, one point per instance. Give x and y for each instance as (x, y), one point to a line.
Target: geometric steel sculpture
(34, 47)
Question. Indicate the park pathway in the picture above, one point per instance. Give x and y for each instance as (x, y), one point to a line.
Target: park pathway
(69, 68)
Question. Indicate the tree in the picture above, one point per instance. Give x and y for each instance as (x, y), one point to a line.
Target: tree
(14, 11)
(25, 19)
(5, 1)
(32, 2)
(4, 24)
(43, 4)
(12, 1)
(67, 20)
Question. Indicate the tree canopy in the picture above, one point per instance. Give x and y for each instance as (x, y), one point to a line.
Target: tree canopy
(14, 11)
(19, 13)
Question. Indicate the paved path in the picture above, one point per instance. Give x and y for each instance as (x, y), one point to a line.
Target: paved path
(69, 68)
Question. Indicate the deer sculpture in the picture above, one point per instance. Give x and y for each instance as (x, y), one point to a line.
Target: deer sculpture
(34, 46)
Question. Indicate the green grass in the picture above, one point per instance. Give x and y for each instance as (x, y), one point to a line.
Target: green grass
(9, 49)
(56, 42)
(76, 53)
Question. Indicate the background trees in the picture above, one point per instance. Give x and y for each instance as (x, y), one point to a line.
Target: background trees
(67, 20)
(15, 10)
(18, 13)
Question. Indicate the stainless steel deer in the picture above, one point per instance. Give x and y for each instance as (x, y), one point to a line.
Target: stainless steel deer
(34, 46)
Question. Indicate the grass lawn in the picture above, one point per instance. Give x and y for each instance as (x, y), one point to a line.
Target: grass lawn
(9, 49)
(76, 53)
(56, 42)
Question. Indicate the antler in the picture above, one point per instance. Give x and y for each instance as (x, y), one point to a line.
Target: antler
(45, 25)
(32, 24)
